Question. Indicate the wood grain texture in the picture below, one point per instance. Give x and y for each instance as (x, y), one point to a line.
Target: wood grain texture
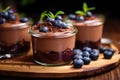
(24, 66)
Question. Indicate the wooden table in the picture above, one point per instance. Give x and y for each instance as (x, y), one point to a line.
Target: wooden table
(112, 31)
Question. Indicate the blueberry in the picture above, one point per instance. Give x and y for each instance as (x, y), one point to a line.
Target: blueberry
(86, 54)
(71, 16)
(50, 20)
(94, 55)
(86, 60)
(24, 19)
(102, 49)
(80, 18)
(108, 54)
(64, 25)
(78, 63)
(111, 50)
(4, 14)
(77, 56)
(2, 20)
(58, 18)
(58, 23)
(88, 14)
(87, 49)
(12, 17)
(43, 29)
(77, 51)
(95, 51)
(10, 11)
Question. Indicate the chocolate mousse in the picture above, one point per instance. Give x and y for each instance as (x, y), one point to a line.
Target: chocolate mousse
(90, 27)
(53, 41)
(14, 36)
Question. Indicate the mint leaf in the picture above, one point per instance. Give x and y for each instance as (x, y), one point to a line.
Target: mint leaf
(85, 7)
(92, 8)
(80, 12)
(43, 14)
(58, 13)
(6, 8)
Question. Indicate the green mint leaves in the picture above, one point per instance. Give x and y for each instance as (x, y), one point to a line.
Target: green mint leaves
(85, 9)
(7, 8)
(43, 14)
(51, 15)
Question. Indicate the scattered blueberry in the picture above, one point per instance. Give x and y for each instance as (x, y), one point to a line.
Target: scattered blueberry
(102, 49)
(50, 20)
(43, 29)
(87, 49)
(108, 54)
(58, 23)
(77, 56)
(78, 63)
(4, 14)
(80, 18)
(64, 25)
(94, 55)
(71, 16)
(86, 60)
(12, 17)
(2, 20)
(86, 54)
(77, 51)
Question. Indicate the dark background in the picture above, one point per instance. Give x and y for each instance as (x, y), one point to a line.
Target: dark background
(33, 8)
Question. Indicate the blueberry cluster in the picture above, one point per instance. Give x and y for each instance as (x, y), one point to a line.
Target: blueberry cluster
(86, 55)
(9, 15)
(107, 52)
(57, 22)
(79, 17)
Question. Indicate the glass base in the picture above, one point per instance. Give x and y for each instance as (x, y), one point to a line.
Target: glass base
(47, 64)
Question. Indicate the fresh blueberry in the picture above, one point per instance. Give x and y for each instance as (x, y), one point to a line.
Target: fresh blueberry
(77, 56)
(12, 17)
(86, 60)
(10, 11)
(88, 14)
(50, 20)
(102, 49)
(108, 54)
(94, 55)
(58, 23)
(80, 18)
(24, 19)
(77, 51)
(87, 49)
(71, 16)
(43, 29)
(4, 14)
(111, 50)
(64, 25)
(58, 18)
(2, 20)
(86, 54)
(95, 51)
(78, 63)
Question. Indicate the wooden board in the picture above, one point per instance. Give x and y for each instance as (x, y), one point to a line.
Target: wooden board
(24, 66)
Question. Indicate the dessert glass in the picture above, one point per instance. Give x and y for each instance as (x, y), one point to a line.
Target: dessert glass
(51, 49)
(14, 39)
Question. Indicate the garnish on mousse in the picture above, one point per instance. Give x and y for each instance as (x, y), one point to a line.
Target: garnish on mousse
(82, 15)
(53, 22)
(8, 15)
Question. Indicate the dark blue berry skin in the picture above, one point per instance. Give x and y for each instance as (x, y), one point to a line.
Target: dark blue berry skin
(87, 49)
(58, 18)
(64, 25)
(95, 51)
(24, 19)
(71, 16)
(102, 49)
(50, 20)
(86, 54)
(77, 51)
(2, 20)
(78, 63)
(11, 17)
(58, 23)
(111, 50)
(94, 55)
(77, 56)
(4, 14)
(43, 29)
(10, 11)
(88, 14)
(108, 54)
(86, 60)
(80, 18)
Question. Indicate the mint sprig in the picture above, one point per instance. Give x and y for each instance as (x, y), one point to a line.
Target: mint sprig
(51, 15)
(85, 9)
(7, 8)
(43, 14)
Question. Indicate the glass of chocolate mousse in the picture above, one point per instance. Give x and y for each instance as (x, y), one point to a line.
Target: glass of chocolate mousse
(14, 36)
(90, 28)
(53, 41)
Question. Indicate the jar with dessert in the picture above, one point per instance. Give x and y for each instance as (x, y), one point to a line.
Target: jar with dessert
(53, 40)
(14, 36)
(90, 27)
